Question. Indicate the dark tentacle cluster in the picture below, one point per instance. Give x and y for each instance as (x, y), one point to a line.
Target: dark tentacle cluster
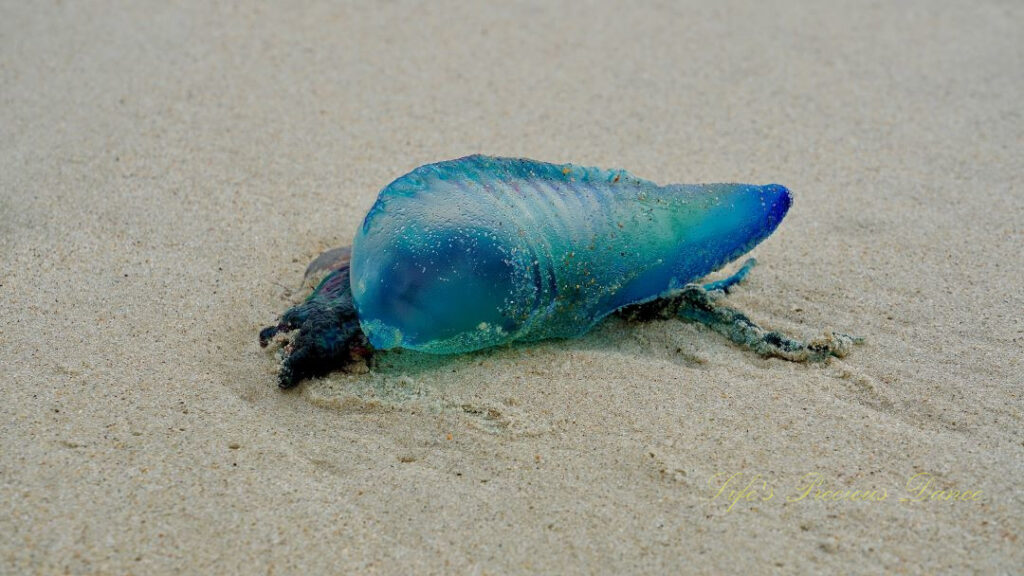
(329, 336)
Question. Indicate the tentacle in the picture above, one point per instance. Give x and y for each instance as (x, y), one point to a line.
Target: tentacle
(325, 263)
(726, 284)
(329, 335)
(697, 303)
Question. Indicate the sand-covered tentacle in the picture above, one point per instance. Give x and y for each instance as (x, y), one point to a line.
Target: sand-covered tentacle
(696, 304)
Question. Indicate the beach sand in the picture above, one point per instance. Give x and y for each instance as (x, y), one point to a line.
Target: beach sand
(167, 170)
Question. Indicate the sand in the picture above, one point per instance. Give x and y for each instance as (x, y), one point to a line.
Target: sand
(167, 170)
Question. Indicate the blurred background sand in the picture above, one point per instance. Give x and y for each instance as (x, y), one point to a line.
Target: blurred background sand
(167, 170)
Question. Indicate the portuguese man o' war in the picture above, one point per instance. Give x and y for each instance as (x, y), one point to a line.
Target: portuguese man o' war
(482, 251)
